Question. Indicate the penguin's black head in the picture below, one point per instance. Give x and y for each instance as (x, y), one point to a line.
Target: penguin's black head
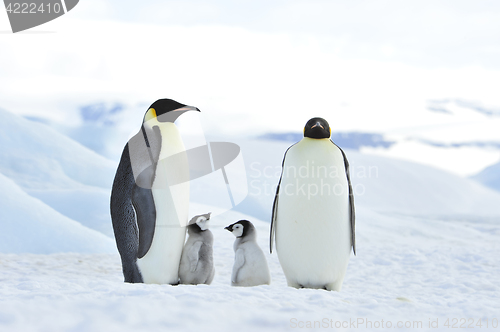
(317, 128)
(167, 110)
(241, 228)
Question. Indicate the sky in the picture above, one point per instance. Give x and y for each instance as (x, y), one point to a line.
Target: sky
(259, 66)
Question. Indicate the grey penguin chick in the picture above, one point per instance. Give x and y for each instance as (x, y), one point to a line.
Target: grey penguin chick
(197, 262)
(250, 265)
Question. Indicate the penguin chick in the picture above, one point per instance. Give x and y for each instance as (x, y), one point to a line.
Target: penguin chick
(250, 265)
(197, 263)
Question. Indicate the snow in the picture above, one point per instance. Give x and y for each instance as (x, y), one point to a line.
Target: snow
(60, 172)
(28, 225)
(449, 158)
(381, 184)
(38, 157)
(460, 129)
(87, 205)
(407, 269)
(385, 184)
(490, 176)
(427, 248)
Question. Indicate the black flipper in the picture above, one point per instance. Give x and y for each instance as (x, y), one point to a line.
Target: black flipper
(275, 206)
(145, 147)
(145, 211)
(142, 197)
(123, 218)
(351, 201)
(273, 217)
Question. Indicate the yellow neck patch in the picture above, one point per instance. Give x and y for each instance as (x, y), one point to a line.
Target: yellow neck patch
(150, 115)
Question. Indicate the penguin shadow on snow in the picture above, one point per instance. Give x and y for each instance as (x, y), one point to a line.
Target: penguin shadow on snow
(250, 265)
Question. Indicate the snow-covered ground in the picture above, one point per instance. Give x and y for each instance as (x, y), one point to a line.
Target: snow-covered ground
(408, 271)
(490, 176)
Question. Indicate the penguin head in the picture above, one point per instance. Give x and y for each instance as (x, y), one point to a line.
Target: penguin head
(317, 128)
(241, 228)
(166, 110)
(199, 223)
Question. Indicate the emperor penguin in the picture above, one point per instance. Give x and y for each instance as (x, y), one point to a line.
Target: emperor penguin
(250, 265)
(313, 211)
(197, 261)
(150, 197)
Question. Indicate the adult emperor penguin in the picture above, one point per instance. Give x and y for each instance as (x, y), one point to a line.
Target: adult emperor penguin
(197, 261)
(250, 265)
(150, 197)
(313, 211)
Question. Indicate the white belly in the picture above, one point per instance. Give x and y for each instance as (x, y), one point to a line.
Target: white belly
(313, 238)
(161, 263)
(255, 270)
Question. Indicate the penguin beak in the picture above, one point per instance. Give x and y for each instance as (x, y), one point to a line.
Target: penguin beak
(187, 108)
(173, 115)
(228, 228)
(318, 125)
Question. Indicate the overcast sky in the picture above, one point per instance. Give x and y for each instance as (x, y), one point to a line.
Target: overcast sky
(433, 33)
(367, 65)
